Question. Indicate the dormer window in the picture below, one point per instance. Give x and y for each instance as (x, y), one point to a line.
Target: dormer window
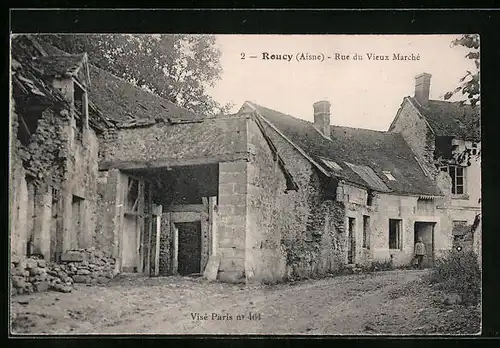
(389, 175)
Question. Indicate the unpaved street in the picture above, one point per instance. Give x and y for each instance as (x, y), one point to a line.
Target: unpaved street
(394, 302)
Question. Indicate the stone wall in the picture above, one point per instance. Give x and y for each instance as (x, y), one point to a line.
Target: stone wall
(165, 265)
(163, 142)
(292, 234)
(417, 134)
(232, 227)
(59, 168)
(86, 266)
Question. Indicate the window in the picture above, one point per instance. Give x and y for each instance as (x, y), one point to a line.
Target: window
(369, 198)
(81, 108)
(366, 232)
(457, 174)
(28, 123)
(395, 234)
(351, 245)
(389, 175)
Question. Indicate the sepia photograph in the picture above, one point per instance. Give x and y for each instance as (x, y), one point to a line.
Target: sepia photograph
(216, 184)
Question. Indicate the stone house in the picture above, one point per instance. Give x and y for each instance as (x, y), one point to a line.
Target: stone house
(255, 196)
(363, 195)
(446, 138)
(53, 152)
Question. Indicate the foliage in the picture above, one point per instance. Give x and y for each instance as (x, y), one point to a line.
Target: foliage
(469, 83)
(177, 67)
(381, 265)
(458, 272)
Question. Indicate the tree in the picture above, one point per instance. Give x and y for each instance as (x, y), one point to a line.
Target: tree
(177, 67)
(469, 83)
(469, 86)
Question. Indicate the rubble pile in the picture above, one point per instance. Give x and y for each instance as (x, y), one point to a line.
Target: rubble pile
(86, 266)
(34, 275)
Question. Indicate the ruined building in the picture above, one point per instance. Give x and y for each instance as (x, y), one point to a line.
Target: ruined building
(254, 196)
(53, 149)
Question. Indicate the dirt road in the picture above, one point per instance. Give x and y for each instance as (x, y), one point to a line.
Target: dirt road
(394, 302)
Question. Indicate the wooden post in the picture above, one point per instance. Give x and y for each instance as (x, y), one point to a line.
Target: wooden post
(140, 228)
(212, 218)
(175, 242)
(157, 215)
(150, 228)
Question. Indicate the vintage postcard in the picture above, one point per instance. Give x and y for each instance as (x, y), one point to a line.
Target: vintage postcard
(245, 184)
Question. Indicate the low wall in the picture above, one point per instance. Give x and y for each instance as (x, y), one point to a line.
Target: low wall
(87, 266)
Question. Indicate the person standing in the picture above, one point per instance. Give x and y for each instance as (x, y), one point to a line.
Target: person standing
(419, 251)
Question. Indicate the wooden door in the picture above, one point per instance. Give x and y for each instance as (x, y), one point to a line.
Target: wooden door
(189, 247)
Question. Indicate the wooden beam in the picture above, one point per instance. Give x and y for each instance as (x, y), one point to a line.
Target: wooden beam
(25, 125)
(186, 208)
(157, 214)
(140, 230)
(133, 213)
(150, 230)
(175, 246)
(174, 162)
(212, 219)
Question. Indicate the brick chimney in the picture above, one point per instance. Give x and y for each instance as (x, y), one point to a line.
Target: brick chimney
(322, 117)
(422, 88)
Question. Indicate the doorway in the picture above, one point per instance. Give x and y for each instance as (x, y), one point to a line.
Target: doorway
(189, 247)
(350, 241)
(130, 246)
(425, 230)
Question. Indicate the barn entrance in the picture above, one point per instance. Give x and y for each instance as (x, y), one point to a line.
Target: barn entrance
(189, 253)
(425, 230)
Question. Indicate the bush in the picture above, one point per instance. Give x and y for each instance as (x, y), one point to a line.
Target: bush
(458, 272)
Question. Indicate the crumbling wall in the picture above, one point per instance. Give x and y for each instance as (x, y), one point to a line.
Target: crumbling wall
(18, 192)
(165, 265)
(293, 234)
(86, 266)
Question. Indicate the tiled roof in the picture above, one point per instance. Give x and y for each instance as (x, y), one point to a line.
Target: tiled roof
(378, 151)
(32, 73)
(123, 102)
(452, 119)
(60, 65)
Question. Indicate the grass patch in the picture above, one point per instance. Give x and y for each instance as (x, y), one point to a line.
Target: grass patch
(458, 272)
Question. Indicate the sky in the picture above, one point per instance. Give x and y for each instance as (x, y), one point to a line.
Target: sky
(363, 93)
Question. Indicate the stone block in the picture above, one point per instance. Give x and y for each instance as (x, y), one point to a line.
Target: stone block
(231, 264)
(212, 268)
(233, 167)
(81, 279)
(30, 263)
(42, 263)
(233, 199)
(74, 256)
(102, 280)
(226, 189)
(16, 271)
(235, 178)
(83, 272)
(35, 271)
(18, 281)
